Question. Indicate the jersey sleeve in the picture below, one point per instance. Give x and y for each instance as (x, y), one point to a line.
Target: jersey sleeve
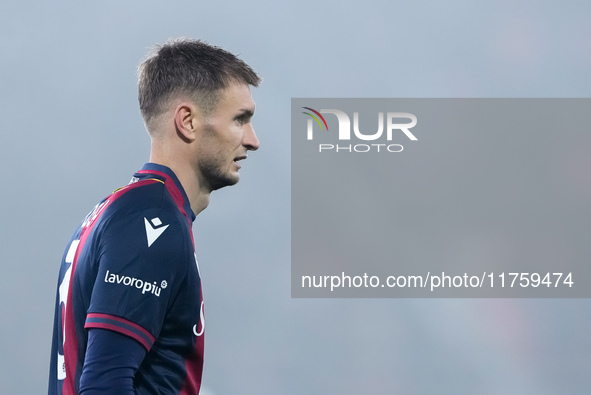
(141, 266)
(110, 363)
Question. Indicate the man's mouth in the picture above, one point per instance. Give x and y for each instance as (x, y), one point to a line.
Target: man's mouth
(239, 158)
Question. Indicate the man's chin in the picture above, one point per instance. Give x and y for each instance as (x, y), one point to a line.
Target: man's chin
(224, 182)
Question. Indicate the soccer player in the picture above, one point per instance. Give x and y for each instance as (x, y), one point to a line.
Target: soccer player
(129, 309)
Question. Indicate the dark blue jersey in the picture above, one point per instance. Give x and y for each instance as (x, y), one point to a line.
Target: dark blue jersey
(131, 267)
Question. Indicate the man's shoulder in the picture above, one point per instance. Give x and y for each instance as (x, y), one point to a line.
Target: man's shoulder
(141, 221)
(144, 204)
(137, 196)
(149, 195)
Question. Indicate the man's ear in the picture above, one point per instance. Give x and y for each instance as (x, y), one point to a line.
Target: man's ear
(187, 119)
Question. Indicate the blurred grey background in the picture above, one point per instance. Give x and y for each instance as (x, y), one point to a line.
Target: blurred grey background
(71, 133)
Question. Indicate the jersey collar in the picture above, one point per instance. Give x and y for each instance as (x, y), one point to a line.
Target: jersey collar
(173, 185)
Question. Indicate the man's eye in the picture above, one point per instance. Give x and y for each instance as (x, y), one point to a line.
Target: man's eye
(240, 120)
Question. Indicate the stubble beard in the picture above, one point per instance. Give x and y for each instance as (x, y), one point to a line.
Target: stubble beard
(216, 177)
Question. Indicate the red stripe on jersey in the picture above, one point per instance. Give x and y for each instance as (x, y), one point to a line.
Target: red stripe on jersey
(71, 341)
(172, 189)
(194, 365)
(114, 325)
(118, 329)
(124, 321)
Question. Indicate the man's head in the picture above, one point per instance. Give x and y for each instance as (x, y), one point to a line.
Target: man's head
(188, 68)
(196, 103)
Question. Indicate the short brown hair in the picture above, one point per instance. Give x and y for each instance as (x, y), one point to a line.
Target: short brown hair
(190, 67)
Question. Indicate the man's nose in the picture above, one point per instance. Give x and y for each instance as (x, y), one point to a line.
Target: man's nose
(251, 142)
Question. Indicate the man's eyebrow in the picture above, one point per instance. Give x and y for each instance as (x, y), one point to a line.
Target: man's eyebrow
(246, 111)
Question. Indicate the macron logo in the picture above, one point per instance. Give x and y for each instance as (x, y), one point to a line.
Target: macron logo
(152, 232)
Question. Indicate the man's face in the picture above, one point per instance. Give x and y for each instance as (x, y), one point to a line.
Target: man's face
(227, 136)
